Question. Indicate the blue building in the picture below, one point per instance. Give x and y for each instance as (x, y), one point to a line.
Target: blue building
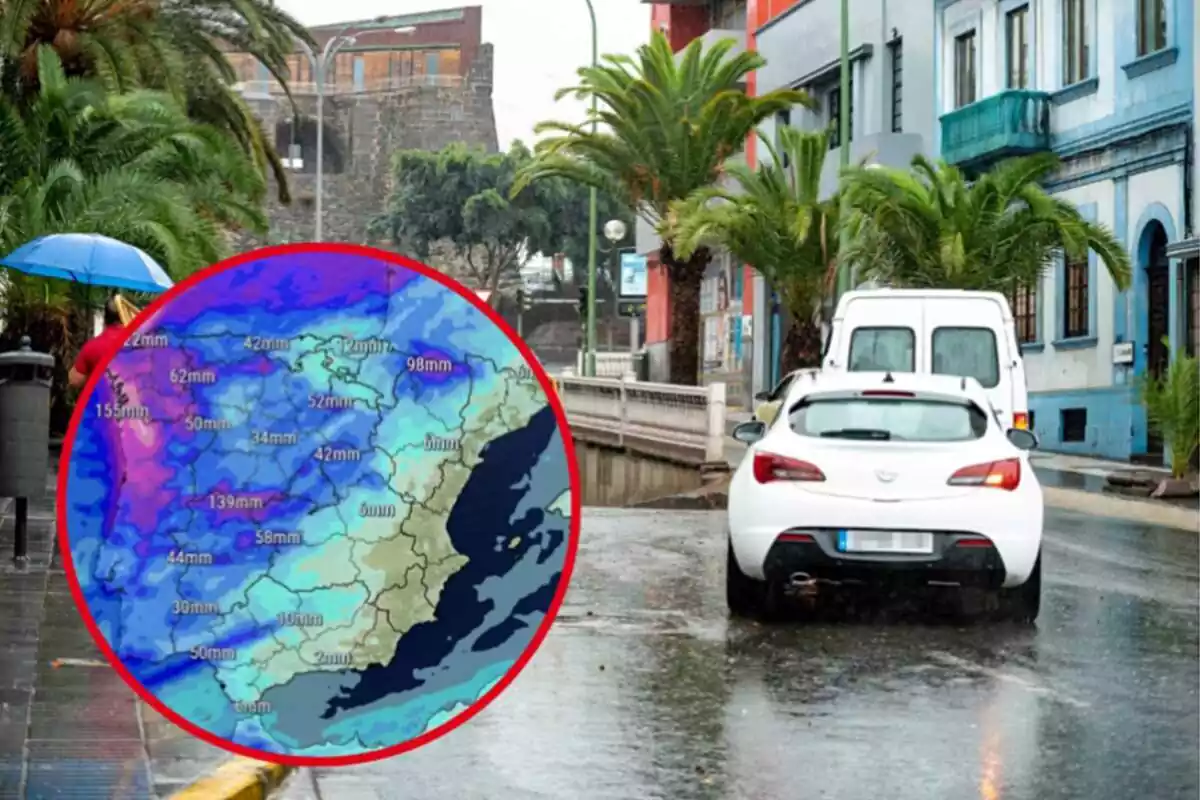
(1109, 86)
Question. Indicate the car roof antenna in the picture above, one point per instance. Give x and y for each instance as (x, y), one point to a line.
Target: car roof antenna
(963, 385)
(888, 378)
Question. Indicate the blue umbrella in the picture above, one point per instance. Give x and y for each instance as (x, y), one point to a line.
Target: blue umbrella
(92, 259)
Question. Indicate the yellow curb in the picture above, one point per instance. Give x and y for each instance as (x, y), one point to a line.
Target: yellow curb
(239, 779)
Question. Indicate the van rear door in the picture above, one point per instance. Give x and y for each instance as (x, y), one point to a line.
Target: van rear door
(971, 336)
(878, 333)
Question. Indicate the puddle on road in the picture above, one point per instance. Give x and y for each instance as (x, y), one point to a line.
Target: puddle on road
(641, 623)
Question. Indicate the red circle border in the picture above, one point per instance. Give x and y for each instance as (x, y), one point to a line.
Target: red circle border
(478, 704)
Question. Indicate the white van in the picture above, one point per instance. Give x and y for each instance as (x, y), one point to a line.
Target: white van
(940, 331)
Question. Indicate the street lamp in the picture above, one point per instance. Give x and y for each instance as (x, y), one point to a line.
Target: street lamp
(319, 64)
(614, 231)
(589, 365)
(844, 102)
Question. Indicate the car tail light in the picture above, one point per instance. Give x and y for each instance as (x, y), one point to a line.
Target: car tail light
(1021, 420)
(973, 541)
(770, 467)
(1004, 475)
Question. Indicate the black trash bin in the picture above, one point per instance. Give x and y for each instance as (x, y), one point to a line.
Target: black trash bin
(25, 380)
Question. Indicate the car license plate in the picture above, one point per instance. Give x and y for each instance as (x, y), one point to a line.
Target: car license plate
(884, 542)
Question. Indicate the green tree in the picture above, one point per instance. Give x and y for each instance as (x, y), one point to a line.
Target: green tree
(1172, 404)
(174, 46)
(775, 219)
(569, 223)
(461, 198)
(666, 126)
(930, 227)
(133, 167)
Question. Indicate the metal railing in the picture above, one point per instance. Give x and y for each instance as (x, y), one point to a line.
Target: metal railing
(1007, 123)
(305, 88)
(685, 423)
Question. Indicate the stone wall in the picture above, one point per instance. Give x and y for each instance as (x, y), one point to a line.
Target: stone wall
(362, 131)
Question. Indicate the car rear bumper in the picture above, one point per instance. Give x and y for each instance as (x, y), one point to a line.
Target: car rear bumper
(1011, 521)
(958, 558)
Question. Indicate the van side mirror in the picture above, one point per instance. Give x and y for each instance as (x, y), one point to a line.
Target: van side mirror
(762, 396)
(1023, 439)
(750, 432)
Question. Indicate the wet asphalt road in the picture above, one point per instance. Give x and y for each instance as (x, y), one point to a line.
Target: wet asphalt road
(644, 688)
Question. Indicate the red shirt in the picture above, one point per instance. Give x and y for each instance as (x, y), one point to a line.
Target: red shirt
(101, 347)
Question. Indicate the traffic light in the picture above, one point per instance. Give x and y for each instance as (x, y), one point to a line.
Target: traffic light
(583, 299)
(524, 300)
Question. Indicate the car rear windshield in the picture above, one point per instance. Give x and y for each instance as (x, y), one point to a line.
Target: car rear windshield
(882, 350)
(967, 351)
(889, 419)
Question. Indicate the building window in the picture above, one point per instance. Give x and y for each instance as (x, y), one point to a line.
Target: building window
(964, 69)
(1074, 424)
(834, 104)
(1075, 299)
(1077, 37)
(1193, 321)
(897, 51)
(1024, 306)
(1017, 31)
(782, 120)
(1151, 26)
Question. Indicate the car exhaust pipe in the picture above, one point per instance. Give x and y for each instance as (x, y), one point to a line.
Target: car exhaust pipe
(803, 584)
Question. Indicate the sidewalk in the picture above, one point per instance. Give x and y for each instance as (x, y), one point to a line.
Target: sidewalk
(73, 728)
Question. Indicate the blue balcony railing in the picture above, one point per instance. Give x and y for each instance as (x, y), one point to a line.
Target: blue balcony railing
(1011, 123)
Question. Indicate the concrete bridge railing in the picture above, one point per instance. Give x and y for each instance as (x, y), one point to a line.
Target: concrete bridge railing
(684, 424)
(609, 365)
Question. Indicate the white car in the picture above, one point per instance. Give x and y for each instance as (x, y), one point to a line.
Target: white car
(885, 479)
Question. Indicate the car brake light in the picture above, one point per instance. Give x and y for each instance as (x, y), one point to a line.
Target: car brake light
(1021, 420)
(770, 467)
(973, 541)
(885, 393)
(1004, 475)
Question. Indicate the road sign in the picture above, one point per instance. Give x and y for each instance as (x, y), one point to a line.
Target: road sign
(633, 275)
(631, 308)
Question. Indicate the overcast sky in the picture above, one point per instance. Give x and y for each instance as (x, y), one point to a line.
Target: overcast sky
(539, 45)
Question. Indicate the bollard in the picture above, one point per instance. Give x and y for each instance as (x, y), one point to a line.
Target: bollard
(25, 378)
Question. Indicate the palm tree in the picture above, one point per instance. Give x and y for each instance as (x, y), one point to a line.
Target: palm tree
(930, 227)
(133, 167)
(776, 220)
(1172, 404)
(174, 46)
(666, 126)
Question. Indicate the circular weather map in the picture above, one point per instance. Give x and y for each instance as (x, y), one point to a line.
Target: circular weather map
(319, 506)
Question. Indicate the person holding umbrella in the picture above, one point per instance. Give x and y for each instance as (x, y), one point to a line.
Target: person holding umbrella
(92, 354)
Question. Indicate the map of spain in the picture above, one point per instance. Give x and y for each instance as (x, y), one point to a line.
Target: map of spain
(319, 504)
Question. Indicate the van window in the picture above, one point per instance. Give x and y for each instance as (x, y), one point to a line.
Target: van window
(882, 350)
(967, 351)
